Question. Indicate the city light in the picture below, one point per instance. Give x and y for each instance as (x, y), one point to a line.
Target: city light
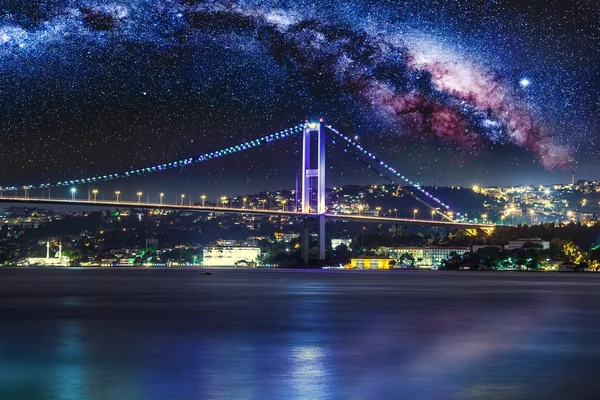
(532, 214)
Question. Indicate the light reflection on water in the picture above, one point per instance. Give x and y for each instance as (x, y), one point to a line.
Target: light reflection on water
(255, 335)
(69, 375)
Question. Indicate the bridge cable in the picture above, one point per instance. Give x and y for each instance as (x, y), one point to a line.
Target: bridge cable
(373, 158)
(161, 167)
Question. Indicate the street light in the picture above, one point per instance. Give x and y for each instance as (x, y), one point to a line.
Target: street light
(415, 213)
(203, 197)
(396, 211)
(95, 192)
(223, 198)
(182, 197)
(433, 214)
(118, 193)
(139, 195)
(483, 217)
(244, 200)
(264, 201)
(360, 208)
(73, 191)
(283, 203)
(161, 195)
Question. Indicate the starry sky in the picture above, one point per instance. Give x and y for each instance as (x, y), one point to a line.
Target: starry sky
(449, 92)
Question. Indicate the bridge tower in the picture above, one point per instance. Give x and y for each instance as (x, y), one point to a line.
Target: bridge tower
(308, 173)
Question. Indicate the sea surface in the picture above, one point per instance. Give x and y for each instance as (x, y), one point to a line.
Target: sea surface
(168, 334)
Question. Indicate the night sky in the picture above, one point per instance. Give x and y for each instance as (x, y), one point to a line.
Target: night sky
(449, 92)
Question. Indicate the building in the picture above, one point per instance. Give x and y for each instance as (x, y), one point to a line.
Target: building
(518, 244)
(57, 261)
(370, 263)
(338, 242)
(226, 256)
(286, 237)
(426, 257)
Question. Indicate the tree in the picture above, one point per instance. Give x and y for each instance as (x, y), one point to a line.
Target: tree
(532, 245)
(407, 259)
(342, 254)
(489, 255)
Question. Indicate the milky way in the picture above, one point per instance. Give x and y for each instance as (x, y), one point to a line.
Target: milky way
(402, 77)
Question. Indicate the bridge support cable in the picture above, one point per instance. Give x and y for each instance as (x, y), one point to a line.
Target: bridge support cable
(382, 166)
(381, 174)
(161, 167)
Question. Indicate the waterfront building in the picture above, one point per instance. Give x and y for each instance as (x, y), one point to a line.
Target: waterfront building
(427, 257)
(227, 256)
(366, 262)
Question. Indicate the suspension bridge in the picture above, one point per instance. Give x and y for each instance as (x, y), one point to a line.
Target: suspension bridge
(313, 169)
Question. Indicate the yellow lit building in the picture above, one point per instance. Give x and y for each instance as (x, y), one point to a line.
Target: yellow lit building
(370, 263)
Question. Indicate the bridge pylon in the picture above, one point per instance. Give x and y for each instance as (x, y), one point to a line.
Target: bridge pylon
(309, 173)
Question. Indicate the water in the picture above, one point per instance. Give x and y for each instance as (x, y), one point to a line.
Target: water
(175, 334)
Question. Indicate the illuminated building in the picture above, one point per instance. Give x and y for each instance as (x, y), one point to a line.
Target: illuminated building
(370, 263)
(337, 242)
(426, 257)
(226, 256)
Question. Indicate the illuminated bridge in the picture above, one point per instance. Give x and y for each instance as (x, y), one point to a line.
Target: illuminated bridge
(313, 168)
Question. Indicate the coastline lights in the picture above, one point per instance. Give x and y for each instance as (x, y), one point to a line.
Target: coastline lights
(388, 167)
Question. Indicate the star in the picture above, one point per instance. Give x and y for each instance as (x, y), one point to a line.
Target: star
(524, 82)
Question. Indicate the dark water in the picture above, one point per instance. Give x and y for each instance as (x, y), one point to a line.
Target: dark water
(173, 334)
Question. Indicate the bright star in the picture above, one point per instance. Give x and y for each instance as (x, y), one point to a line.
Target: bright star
(524, 82)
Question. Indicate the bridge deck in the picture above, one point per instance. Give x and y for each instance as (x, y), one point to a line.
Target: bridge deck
(233, 210)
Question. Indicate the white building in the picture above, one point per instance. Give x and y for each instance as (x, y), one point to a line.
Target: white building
(57, 261)
(223, 256)
(426, 257)
(518, 244)
(337, 242)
